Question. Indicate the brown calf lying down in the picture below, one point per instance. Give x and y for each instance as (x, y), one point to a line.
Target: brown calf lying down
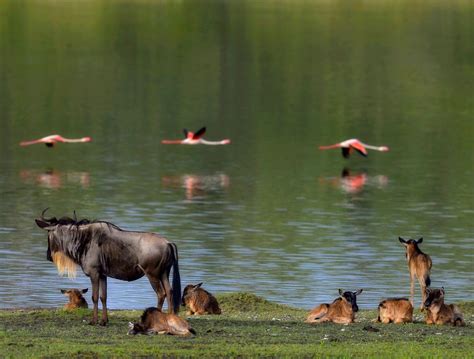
(395, 310)
(341, 311)
(419, 266)
(154, 321)
(76, 300)
(199, 301)
(440, 313)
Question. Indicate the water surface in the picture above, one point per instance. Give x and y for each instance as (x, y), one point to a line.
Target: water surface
(269, 214)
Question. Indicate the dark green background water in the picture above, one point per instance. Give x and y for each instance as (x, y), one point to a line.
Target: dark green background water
(269, 213)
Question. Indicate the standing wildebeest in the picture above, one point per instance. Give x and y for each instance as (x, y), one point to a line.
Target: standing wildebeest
(440, 313)
(419, 265)
(396, 310)
(104, 250)
(199, 301)
(341, 311)
(76, 300)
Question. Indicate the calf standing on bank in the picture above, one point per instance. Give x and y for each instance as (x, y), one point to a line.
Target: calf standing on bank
(76, 300)
(154, 321)
(419, 265)
(440, 313)
(395, 310)
(341, 311)
(199, 301)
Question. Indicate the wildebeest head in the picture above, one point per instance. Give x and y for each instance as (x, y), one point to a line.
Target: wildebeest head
(56, 251)
(136, 328)
(351, 297)
(188, 290)
(411, 244)
(434, 296)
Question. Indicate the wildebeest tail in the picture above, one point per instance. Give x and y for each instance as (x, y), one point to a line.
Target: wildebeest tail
(427, 280)
(176, 279)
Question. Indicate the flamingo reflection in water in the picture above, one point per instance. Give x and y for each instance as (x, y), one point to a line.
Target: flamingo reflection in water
(54, 179)
(353, 183)
(196, 185)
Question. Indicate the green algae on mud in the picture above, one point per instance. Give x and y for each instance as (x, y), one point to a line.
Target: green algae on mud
(250, 326)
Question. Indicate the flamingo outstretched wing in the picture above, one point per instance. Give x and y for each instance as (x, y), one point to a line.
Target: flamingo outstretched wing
(199, 133)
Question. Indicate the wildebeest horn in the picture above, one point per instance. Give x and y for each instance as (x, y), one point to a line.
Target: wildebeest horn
(75, 216)
(44, 211)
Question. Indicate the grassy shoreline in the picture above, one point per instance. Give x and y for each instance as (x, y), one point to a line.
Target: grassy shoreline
(249, 327)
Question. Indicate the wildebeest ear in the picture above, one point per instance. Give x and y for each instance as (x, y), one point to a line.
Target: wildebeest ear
(402, 240)
(358, 292)
(341, 292)
(85, 290)
(44, 225)
(63, 291)
(420, 240)
(442, 290)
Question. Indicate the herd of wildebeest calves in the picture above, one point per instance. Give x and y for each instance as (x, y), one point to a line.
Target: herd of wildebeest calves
(103, 250)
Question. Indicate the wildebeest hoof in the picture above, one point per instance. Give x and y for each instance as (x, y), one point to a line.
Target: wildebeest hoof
(103, 323)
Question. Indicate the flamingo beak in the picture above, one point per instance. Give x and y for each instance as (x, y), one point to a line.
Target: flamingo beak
(384, 149)
(87, 139)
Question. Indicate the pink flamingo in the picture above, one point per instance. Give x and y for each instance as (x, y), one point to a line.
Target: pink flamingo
(349, 146)
(191, 138)
(51, 140)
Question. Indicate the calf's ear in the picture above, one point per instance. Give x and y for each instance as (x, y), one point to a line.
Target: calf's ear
(341, 292)
(198, 285)
(402, 240)
(358, 292)
(85, 290)
(63, 291)
(420, 240)
(442, 290)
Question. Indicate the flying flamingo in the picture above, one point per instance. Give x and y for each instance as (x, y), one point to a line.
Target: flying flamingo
(349, 146)
(51, 140)
(195, 138)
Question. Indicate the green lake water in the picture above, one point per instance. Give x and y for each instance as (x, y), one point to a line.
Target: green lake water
(270, 213)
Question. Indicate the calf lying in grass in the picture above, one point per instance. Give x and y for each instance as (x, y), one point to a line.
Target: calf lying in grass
(395, 310)
(76, 300)
(154, 321)
(440, 313)
(341, 311)
(199, 301)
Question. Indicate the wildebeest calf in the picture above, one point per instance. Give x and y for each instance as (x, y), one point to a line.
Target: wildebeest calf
(154, 321)
(440, 313)
(395, 310)
(419, 265)
(199, 301)
(76, 300)
(341, 311)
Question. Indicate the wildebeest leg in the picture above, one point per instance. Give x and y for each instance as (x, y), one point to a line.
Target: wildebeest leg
(421, 280)
(158, 288)
(169, 292)
(412, 288)
(95, 298)
(103, 299)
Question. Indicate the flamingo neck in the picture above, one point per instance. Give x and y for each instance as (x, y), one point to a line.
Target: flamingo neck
(376, 148)
(213, 143)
